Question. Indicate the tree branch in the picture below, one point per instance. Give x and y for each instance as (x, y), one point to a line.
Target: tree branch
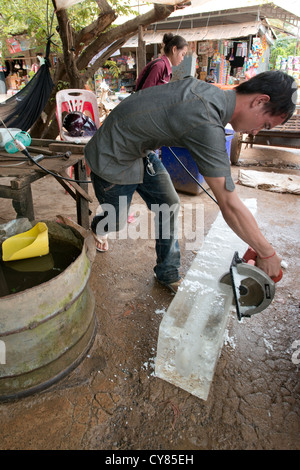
(104, 6)
(105, 56)
(158, 13)
(86, 35)
(67, 35)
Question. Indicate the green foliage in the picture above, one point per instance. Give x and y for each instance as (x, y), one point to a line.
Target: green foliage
(24, 17)
(113, 68)
(62, 85)
(34, 18)
(83, 14)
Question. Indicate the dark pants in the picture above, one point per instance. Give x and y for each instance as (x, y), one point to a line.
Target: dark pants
(161, 197)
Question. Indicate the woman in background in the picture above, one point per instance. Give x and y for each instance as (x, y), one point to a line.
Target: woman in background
(159, 71)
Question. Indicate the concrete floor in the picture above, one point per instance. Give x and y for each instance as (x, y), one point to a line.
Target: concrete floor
(112, 400)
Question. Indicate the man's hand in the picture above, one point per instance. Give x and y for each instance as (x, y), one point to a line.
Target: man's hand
(242, 222)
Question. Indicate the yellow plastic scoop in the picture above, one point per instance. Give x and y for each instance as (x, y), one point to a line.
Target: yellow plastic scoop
(34, 242)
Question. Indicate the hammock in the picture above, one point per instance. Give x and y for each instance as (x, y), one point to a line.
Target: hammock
(25, 107)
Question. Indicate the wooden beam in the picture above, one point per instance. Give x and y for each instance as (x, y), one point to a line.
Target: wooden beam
(141, 52)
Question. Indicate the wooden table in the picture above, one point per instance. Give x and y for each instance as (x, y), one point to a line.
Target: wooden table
(56, 159)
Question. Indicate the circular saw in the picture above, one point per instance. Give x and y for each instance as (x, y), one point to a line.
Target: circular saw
(253, 289)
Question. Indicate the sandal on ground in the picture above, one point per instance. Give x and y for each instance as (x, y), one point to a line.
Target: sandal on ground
(173, 286)
(101, 243)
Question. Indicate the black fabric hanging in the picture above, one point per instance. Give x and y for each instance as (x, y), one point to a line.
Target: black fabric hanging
(25, 107)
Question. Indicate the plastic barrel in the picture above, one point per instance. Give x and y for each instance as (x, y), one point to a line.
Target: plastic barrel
(181, 179)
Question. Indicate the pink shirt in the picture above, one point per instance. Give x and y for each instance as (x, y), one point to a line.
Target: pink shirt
(160, 73)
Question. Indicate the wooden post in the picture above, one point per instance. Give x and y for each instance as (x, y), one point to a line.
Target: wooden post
(141, 52)
(22, 202)
(81, 203)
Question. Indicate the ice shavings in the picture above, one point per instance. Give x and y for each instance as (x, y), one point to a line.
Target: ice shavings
(159, 311)
(268, 345)
(149, 366)
(192, 286)
(229, 340)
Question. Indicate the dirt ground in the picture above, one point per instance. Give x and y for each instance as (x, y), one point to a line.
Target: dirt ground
(113, 401)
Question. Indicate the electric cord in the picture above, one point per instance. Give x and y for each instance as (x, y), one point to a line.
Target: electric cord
(192, 176)
(56, 175)
(21, 147)
(151, 172)
(24, 150)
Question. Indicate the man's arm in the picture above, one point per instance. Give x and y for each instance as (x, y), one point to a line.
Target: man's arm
(242, 222)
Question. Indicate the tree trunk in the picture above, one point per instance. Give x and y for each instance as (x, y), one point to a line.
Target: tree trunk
(74, 69)
(141, 52)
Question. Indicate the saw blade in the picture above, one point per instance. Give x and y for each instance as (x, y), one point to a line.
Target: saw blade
(235, 288)
(251, 293)
(253, 290)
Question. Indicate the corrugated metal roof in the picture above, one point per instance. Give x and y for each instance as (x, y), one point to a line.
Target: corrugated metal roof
(226, 31)
(200, 6)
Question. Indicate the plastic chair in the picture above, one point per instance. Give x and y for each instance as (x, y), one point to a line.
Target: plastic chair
(76, 100)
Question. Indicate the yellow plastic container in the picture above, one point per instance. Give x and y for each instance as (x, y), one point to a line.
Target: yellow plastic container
(34, 242)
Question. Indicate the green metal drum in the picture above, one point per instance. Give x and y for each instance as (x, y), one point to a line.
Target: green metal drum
(46, 330)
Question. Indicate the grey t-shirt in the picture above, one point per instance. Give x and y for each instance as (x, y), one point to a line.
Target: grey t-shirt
(186, 113)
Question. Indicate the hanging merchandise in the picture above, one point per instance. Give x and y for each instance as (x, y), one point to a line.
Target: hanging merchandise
(251, 66)
(241, 50)
(216, 59)
(225, 48)
(224, 71)
(259, 46)
(296, 64)
(283, 63)
(290, 65)
(264, 44)
(256, 46)
(221, 48)
(130, 61)
(296, 69)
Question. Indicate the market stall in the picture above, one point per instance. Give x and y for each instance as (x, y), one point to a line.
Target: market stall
(229, 52)
(19, 63)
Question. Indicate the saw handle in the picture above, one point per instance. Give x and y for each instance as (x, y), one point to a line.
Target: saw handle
(250, 258)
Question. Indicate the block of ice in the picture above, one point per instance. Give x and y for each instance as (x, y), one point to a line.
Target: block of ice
(192, 331)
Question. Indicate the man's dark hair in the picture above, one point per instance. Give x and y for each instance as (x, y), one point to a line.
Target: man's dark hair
(280, 87)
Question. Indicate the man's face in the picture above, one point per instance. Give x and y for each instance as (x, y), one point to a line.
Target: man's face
(253, 120)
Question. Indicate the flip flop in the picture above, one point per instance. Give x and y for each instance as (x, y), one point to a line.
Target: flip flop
(102, 241)
(131, 218)
(173, 286)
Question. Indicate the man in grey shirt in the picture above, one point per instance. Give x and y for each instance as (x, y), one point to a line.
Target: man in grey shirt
(192, 114)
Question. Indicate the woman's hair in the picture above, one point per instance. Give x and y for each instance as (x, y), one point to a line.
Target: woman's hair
(169, 41)
(280, 87)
